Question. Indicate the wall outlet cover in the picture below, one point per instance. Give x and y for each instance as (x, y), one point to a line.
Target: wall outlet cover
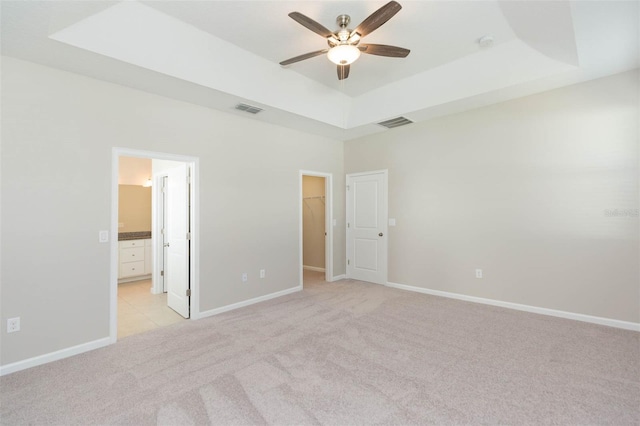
(13, 325)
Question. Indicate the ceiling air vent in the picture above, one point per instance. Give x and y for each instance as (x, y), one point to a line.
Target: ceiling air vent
(248, 108)
(395, 122)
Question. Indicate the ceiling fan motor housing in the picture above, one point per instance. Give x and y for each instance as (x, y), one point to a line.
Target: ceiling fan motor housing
(343, 21)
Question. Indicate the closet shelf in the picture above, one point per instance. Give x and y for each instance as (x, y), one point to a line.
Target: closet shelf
(317, 197)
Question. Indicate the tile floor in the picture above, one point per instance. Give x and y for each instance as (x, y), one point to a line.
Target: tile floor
(140, 311)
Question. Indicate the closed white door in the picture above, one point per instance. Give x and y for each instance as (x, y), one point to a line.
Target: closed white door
(367, 226)
(177, 230)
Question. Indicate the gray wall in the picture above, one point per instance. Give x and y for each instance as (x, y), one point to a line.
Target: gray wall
(58, 130)
(527, 190)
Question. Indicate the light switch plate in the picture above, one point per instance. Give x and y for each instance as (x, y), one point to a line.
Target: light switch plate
(103, 236)
(392, 222)
(335, 222)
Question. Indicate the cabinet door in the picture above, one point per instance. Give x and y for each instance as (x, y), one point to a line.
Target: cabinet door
(131, 243)
(131, 269)
(132, 254)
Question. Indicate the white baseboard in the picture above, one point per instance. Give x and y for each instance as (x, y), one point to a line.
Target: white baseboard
(132, 279)
(86, 347)
(534, 309)
(244, 303)
(312, 268)
(338, 277)
(53, 356)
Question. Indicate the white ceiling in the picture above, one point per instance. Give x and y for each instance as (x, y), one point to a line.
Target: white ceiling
(219, 53)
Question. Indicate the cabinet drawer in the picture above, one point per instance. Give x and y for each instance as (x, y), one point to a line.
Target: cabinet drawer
(131, 254)
(131, 269)
(131, 243)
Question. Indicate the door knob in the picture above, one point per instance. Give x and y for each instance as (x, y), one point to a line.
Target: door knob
(166, 244)
(380, 234)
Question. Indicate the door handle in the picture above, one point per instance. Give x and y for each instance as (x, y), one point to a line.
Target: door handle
(166, 244)
(380, 234)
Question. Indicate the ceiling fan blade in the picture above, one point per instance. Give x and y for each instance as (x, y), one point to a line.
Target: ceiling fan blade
(303, 57)
(309, 23)
(343, 71)
(377, 18)
(384, 50)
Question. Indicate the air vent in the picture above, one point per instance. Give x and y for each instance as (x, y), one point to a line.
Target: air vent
(248, 108)
(395, 122)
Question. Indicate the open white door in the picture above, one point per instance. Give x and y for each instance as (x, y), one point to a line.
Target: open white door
(177, 260)
(367, 226)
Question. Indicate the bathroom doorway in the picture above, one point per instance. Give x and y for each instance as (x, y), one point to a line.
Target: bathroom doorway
(154, 258)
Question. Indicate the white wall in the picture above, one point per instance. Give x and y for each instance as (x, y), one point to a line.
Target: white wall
(521, 189)
(58, 131)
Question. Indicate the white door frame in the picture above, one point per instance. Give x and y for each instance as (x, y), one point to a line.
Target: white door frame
(328, 222)
(158, 210)
(385, 200)
(194, 262)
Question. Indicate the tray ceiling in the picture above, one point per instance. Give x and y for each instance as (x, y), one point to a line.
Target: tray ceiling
(219, 53)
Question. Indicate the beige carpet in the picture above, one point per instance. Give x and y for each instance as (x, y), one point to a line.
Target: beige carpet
(344, 353)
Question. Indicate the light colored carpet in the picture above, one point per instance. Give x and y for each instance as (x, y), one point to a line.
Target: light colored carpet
(344, 353)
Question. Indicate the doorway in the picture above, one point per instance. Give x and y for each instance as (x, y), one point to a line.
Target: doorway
(316, 230)
(167, 291)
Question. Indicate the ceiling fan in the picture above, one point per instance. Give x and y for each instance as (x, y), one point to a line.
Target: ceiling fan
(344, 43)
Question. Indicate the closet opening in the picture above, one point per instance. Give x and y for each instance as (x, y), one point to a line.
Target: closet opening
(316, 235)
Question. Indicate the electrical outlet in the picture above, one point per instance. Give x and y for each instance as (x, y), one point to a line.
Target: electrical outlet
(478, 273)
(245, 277)
(262, 273)
(13, 325)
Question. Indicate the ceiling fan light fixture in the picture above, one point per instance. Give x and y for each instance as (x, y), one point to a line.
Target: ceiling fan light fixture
(354, 37)
(333, 41)
(343, 54)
